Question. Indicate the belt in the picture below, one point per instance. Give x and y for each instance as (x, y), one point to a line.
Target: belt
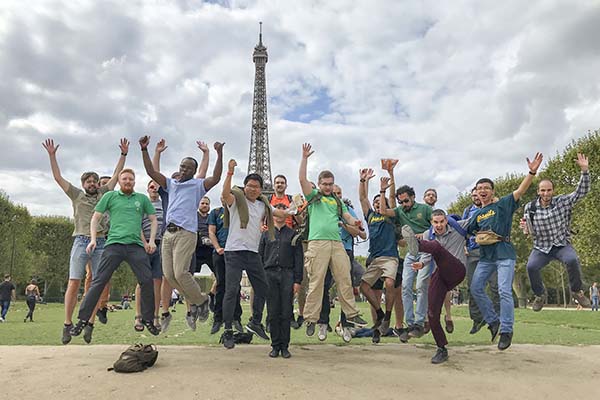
(174, 228)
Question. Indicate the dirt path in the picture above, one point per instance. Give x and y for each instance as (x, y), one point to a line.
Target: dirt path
(315, 372)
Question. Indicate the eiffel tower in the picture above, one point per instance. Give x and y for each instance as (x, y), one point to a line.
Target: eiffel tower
(259, 160)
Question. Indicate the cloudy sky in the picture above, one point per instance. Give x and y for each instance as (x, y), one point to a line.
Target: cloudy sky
(455, 90)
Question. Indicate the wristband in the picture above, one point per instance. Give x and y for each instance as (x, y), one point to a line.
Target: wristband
(143, 149)
(382, 191)
(229, 173)
(123, 154)
(532, 173)
(362, 180)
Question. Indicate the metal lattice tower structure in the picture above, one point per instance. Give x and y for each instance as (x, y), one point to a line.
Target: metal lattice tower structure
(260, 160)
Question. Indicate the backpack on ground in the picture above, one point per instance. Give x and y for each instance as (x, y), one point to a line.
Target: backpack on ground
(136, 358)
(239, 338)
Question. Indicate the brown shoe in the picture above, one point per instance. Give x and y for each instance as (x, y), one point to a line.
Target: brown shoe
(581, 299)
(426, 328)
(449, 326)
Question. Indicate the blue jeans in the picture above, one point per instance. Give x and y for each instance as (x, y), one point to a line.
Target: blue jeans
(594, 303)
(5, 304)
(538, 260)
(506, 273)
(79, 258)
(415, 316)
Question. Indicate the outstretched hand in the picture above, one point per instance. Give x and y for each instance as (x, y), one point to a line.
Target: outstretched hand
(219, 147)
(307, 150)
(535, 163)
(202, 146)
(384, 183)
(161, 146)
(144, 142)
(124, 146)
(50, 147)
(583, 162)
(231, 165)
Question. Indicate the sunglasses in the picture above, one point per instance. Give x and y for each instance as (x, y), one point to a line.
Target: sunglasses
(405, 201)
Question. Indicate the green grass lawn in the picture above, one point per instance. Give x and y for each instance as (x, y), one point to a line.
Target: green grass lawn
(562, 327)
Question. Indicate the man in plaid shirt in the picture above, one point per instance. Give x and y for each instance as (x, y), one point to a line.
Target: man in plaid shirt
(549, 221)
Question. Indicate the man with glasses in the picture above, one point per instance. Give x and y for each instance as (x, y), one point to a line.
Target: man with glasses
(492, 225)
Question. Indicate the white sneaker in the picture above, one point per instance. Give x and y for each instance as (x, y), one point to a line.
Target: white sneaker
(322, 334)
(346, 334)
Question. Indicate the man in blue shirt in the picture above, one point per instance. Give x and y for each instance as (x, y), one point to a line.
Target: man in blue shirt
(492, 225)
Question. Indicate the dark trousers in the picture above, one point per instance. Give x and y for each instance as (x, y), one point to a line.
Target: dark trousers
(280, 305)
(326, 304)
(236, 262)
(474, 312)
(31, 305)
(538, 260)
(202, 255)
(5, 305)
(449, 273)
(219, 271)
(112, 257)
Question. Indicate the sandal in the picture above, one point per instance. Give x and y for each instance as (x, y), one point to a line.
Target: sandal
(151, 327)
(157, 322)
(139, 326)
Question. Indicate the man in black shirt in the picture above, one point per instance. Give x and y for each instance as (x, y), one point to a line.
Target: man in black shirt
(7, 293)
(283, 265)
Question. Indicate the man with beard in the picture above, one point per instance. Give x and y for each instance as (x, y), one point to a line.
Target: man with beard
(179, 240)
(124, 243)
(83, 202)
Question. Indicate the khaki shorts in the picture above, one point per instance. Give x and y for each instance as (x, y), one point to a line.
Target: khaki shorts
(381, 266)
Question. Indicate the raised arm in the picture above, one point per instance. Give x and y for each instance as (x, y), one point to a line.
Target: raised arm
(211, 181)
(533, 167)
(363, 189)
(154, 174)
(160, 147)
(304, 183)
(583, 187)
(226, 194)
(124, 147)
(384, 184)
(51, 149)
(392, 195)
(203, 167)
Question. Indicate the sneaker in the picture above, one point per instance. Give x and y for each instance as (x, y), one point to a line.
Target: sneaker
(87, 333)
(165, 321)
(426, 327)
(505, 340)
(237, 325)
(190, 319)
(150, 327)
(257, 329)
(416, 331)
(294, 324)
(357, 321)
(477, 325)
(384, 327)
(203, 311)
(403, 334)
(227, 339)
(493, 327)
(274, 353)
(216, 327)
(285, 353)
(449, 325)
(78, 328)
(346, 334)
(102, 315)
(581, 299)
(299, 322)
(441, 355)
(376, 336)
(322, 334)
(310, 328)
(538, 303)
(411, 240)
(1, 319)
(66, 334)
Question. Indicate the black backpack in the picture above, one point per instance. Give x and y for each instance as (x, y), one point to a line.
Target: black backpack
(239, 338)
(136, 358)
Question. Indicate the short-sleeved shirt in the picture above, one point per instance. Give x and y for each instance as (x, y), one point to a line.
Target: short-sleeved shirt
(347, 239)
(382, 236)
(6, 288)
(126, 213)
(184, 198)
(215, 217)
(496, 217)
(418, 217)
(324, 218)
(286, 200)
(146, 225)
(83, 209)
(245, 239)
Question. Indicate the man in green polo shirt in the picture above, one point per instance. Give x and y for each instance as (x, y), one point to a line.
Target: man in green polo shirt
(418, 217)
(124, 243)
(325, 248)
